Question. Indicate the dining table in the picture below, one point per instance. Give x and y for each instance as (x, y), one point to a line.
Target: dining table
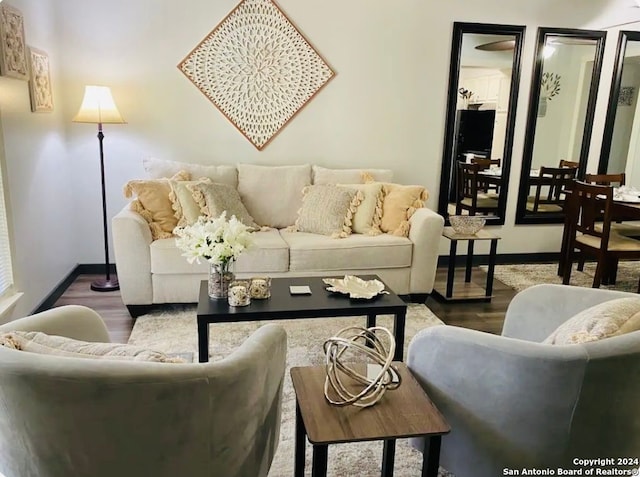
(622, 209)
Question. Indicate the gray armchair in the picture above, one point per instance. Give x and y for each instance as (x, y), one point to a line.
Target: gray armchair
(513, 402)
(62, 417)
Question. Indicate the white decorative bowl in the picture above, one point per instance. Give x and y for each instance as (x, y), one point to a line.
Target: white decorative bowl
(355, 287)
(466, 224)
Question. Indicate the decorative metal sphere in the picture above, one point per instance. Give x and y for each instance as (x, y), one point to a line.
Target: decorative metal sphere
(364, 341)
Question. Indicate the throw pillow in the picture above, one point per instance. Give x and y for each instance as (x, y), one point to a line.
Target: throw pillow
(327, 210)
(160, 168)
(368, 215)
(323, 175)
(273, 194)
(41, 343)
(152, 202)
(399, 204)
(214, 199)
(186, 209)
(610, 318)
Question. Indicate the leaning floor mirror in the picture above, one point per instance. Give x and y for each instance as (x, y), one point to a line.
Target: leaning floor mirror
(484, 76)
(559, 121)
(621, 141)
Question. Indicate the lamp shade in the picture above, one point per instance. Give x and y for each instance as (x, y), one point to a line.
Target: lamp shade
(98, 107)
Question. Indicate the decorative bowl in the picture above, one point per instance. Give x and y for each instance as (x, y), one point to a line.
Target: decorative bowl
(355, 287)
(466, 224)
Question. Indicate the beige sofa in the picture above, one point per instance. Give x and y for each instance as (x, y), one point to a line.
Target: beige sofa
(154, 271)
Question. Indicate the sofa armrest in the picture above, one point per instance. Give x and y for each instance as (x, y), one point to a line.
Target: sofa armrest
(72, 321)
(538, 310)
(491, 390)
(131, 241)
(425, 232)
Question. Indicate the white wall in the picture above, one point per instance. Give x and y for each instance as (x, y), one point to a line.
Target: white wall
(385, 108)
(41, 196)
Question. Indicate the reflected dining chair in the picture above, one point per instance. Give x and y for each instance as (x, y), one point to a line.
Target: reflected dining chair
(572, 164)
(589, 215)
(549, 189)
(629, 229)
(483, 165)
(469, 193)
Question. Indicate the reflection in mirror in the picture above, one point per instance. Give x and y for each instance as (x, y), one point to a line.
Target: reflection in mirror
(621, 143)
(561, 108)
(483, 89)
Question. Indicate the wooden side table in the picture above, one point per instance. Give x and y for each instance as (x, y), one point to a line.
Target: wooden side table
(403, 412)
(469, 291)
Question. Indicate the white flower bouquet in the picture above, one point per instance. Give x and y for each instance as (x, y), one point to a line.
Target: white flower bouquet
(216, 240)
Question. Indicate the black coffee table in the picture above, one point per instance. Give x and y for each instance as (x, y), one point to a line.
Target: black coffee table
(282, 305)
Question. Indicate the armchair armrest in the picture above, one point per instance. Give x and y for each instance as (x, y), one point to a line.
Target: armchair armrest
(538, 310)
(507, 400)
(425, 233)
(72, 321)
(131, 240)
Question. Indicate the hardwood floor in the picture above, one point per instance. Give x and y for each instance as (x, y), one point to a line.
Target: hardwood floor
(476, 315)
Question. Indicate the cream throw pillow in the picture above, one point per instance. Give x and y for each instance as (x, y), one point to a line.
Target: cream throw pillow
(37, 342)
(610, 318)
(368, 215)
(214, 199)
(273, 194)
(152, 202)
(323, 175)
(185, 208)
(399, 204)
(328, 210)
(161, 168)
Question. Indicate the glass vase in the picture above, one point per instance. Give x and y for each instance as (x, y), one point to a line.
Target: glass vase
(220, 276)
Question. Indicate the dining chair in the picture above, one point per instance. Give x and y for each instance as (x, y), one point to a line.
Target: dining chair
(550, 186)
(606, 179)
(589, 216)
(572, 164)
(469, 194)
(484, 164)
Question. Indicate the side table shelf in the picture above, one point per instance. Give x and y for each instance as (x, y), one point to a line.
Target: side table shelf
(467, 291)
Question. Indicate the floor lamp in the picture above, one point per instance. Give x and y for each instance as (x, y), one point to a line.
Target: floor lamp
(99, 108)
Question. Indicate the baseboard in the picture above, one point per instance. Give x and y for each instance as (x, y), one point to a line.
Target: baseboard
(502, 259)
(58, 291)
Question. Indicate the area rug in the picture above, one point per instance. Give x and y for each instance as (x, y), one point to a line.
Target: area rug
(173, 330)
(525, 275)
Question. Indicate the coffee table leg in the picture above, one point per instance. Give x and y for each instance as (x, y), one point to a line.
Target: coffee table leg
(203, 341)
(431, 456)
(398, 330)
(319, 466)
(301, 436)
(388, 457)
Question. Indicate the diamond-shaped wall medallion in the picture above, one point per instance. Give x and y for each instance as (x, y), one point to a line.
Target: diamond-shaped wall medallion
(257, 69)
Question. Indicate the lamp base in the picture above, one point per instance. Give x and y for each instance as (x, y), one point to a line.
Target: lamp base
(105, 285)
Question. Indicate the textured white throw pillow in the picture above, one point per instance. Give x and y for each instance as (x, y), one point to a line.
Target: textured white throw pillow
(368, 215)
(610, 318)
(41, 343)
(159, 168)
(273, 194)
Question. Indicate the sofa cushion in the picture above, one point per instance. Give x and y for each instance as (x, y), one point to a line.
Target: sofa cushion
(322, 175)
(153, 203)
(41, 343)
(273, 194)
(313, 252)
(366, 219)
(159, 168)
(214, 199)
(328, 210)
(186, 209)
(610, 318)
(268, 254)
(399, 204)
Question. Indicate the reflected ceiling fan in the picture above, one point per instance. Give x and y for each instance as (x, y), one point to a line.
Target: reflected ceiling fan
(505, 45)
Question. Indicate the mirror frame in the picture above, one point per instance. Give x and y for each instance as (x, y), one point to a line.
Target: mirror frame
(459, 29)
(616, 79)
(522, 215)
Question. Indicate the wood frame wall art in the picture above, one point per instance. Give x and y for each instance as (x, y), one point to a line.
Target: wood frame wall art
(257, 69)
(13, 57)
(40, 90)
